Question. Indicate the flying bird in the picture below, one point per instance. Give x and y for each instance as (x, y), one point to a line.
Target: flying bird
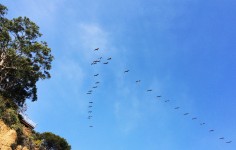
(96, 75)
(88, 93)
(90, 126)
(138, 81)
(95, 87)
(222, 138)
(90, 102)
(96, 49)
(228, 142)
(211, 130)
(97, 82)
(186, 114)
(167, 100)
(203, 123)
(149, 90)
(194, 118)
(177, 107)
(109, 58)
(126, 71)
(96, 61)
(105, 63)
(90, 106)
(158, 96)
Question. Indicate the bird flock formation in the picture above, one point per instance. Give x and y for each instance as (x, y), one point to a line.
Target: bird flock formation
(90, 106)
(105, 62)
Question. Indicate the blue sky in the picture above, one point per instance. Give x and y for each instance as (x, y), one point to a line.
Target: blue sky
(183, 50)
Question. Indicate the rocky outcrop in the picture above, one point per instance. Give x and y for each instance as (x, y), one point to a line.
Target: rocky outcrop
(7, 136)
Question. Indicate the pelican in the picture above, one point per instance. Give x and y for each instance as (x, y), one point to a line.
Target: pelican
(126, 71)
(228, 142)
(211, 130)
(96, 61)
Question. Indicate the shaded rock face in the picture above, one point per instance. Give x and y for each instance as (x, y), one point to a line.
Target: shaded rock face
(7, 136)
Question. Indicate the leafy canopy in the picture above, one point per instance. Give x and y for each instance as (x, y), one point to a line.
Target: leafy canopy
(23, 58)
(54, 142)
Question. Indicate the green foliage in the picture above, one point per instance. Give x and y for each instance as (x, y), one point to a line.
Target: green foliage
(6, 103)
(38, 143)
(3, 10)
(23, 59)
(54, 142)
(9, 117)
(20, 137)
(8, 113)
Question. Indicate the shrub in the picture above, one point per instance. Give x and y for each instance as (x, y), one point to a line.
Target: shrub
(52, 141)
(10, 117)
(20, 137)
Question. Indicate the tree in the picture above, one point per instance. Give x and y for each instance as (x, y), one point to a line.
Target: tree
(54, 142)
(23, 58)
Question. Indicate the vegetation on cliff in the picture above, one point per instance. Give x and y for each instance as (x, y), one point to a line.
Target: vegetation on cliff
(29, 139)
(23, 61)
